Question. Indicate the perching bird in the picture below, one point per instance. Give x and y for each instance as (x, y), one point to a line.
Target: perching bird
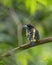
(31, 33)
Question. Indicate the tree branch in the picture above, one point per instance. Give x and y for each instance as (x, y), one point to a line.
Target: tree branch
(26, 46)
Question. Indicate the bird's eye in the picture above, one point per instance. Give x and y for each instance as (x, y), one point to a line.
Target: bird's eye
(30, 33)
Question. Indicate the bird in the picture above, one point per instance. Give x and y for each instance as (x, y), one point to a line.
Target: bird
(32, 34)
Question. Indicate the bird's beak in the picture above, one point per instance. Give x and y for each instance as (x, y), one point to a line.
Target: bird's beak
(25, 26)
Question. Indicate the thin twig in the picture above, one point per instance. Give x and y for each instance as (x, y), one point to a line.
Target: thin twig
(26, 46)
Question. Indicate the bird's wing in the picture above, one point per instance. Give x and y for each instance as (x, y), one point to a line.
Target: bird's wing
(37, 35)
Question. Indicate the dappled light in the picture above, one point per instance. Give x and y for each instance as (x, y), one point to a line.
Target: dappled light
(16, 45)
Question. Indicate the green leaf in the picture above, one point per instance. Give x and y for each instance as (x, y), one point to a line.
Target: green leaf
(7, 3)
(49, 3)
(43, 2)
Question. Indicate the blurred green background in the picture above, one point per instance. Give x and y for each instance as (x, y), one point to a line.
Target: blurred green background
(13, 15)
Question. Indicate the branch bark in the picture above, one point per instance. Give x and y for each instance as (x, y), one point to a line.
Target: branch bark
(17, 21)
(26, 46)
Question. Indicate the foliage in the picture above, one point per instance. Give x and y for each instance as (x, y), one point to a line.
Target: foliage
(37, 12)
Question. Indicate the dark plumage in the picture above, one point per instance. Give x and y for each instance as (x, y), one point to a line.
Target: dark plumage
(31, 33)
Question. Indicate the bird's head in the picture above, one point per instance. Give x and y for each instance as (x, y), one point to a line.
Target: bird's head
(28, 26)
